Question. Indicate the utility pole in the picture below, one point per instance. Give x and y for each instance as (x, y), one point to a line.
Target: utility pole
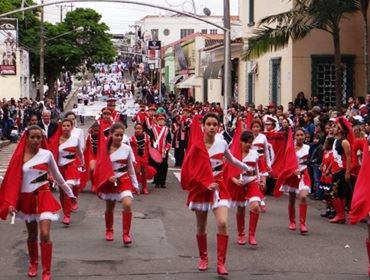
(42, 52)
(227, 56)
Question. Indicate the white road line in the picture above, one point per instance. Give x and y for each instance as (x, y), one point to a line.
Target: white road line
(177, 175)
(174, 169)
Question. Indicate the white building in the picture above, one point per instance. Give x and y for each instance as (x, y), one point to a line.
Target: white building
(170, 28)
(18, 85)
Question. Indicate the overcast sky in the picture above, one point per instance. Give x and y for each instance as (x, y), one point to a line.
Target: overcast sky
(119, 16)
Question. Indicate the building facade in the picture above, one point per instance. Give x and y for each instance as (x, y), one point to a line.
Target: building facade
(306, 65)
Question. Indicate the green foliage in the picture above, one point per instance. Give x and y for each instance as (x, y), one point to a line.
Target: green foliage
(64, 46)
(274, 32)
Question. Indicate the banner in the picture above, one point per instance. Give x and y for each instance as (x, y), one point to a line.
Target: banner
(8, 46)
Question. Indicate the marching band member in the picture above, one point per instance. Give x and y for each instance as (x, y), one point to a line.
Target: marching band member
(201, 175)
(115, 179)
(162, 142)
(244, 187)
(25, 192)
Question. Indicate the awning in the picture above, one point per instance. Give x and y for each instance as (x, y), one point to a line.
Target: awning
(189, 82)
(176, 79)
(213, 70)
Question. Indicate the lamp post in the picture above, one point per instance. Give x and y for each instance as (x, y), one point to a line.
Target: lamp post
(227, 56)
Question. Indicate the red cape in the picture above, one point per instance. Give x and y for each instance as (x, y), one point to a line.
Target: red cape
(290, 166)
(53, 142)
(360, 206)
(104, 168)
(84, 176)
(278, 142)
(196, 171)
(230, 170)
(12, 182)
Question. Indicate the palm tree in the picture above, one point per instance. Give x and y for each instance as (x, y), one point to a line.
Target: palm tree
(274, 32)
(363, 6)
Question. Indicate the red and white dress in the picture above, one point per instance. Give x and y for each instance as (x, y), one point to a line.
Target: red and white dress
(208, 200)
(261, 146)
(250, 192)
(36, 202)
(302, 182)
(123, 167)
(67, 160)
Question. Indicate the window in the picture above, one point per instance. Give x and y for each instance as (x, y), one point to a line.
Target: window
(213, 31)
(186, 32)
(204, 31)
(251, 12)
(155, 33)
(323, 78)
(275, 80)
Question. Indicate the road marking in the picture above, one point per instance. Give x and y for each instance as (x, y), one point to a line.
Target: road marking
(177, 175)
(174, 169)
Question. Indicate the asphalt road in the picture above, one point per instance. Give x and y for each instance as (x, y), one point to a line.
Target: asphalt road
(164, 244)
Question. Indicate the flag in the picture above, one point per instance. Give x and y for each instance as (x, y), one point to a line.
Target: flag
(196, 171)
(290, 164)
(278, 143)
(104, 168)
(230, 170)
(360, 206)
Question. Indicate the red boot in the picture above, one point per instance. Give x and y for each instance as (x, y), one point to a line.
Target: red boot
(46, 253)
(33, 253)
(291, 225)
(203, 254)
(109, 226)
(253, 220)
(76, 192)
(144, 184)
(240, 221)
(67, 209)
(222, 241)
(339, 205)
(368, 254)
(302, 218)
(126, 225)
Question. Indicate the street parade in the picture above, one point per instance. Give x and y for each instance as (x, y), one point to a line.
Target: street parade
(123, 165)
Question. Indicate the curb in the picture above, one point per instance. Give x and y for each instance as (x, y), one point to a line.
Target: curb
(4, 143)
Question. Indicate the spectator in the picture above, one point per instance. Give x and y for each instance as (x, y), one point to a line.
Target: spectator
(301, 101)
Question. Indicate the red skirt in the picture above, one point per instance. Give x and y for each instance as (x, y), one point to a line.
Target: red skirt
(241, 196)
(70, 173)
(208, 200)
(111, 191)
(33, 206)
(297, 184)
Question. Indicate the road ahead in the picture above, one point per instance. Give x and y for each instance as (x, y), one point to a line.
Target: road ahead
(165, 246)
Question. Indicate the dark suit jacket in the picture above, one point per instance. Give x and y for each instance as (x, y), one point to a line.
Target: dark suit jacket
(51, 129)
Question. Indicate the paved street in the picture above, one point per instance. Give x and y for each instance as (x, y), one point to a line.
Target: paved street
(165, 248)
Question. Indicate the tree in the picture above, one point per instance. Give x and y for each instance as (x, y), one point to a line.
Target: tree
(274, 32)
(363, 6)
(76, 49)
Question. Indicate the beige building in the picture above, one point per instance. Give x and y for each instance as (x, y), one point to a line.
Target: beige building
(306, 65)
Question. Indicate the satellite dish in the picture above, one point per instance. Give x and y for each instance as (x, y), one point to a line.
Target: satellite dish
(207, 12)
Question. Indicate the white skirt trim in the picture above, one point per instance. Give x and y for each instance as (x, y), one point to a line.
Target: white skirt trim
(207, 206)
(245, 203)
(301, 187)
(115, 196)
(38, 217)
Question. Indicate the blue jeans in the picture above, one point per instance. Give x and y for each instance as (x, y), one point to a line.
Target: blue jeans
(316, 174)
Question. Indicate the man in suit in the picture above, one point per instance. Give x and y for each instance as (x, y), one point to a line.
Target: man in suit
(47, 125)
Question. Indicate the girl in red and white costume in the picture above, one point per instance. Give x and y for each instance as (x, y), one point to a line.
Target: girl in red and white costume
(69, 152)
(78, 133)
(298, 183)
(245, 190)
(140, 143)
(215, 196)
(115, 183)
(261, 145)
(25, 191)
